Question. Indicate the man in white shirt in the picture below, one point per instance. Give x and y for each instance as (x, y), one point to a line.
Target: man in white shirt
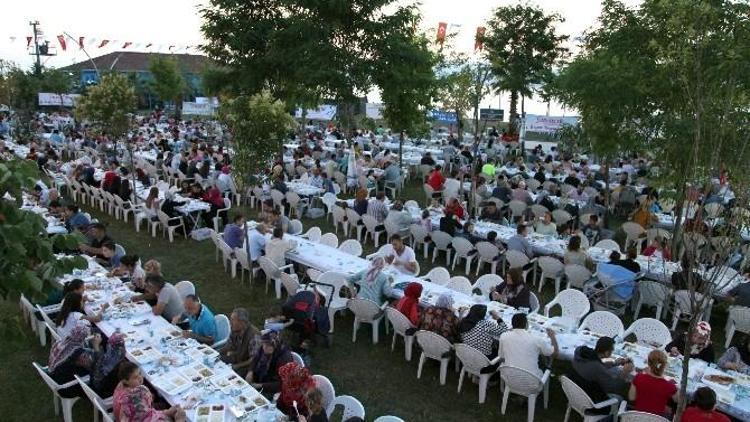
(316, 180)
(401, 256)
(545, 226)
(399, 217)
(520, 348)
(257, 242)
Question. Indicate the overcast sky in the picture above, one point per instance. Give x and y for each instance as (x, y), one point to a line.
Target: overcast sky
(166, 23)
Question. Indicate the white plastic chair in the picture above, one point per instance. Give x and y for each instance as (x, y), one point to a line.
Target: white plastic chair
(534, 303)
(338, 303)
(635, 416)
(486, 283)
(460, 284)
(339, 219)
(574, 304)
(487, 253)
(243, 259)
(434, 346)
(57, 400)
(389, 418)
(551, 269)
(46, 325)
(579, 401)
(351, 246)
(296, 358)
(222, 330)
(522, 382)
(401, 324)
(353, 219)
(603, 322)
(419, 237)
(516, 259)
(371, 228)
(313, 234)
(295, 227)
(473, 362)
(273, 273)
(329, 200)
(325, 386)
(737, 320)
(438, 275)
(682, 306)
(463, 250)
(185, 288)
(649, 331)
(352, 407)
(441, 242)
(290, 283)
(608, 244)
(168, 229)
(101, 406)
(366, 311)
(217, 219)
(330, 239)
(652, 293)
(577, 276)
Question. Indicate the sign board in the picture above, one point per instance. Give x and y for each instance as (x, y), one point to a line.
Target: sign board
(374, 111)
(198, 109)
(207, 100)
(50, 99)
(442, 116)
(491, 114)
(547, 124)
(323, 112)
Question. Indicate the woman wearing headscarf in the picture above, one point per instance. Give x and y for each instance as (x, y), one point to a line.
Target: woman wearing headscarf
(264, 367)
(441, 319)
(104, 375)
(295, 381)
(737, 358)
(373, 283)
(70, 356)
(409, 304)
(480, 333)
(701, 348)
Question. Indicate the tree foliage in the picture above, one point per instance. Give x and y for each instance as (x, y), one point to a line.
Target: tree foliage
(19, 88)
(108, 105)
(522, 47)
(258, 125)
(304, 51)
(168, 83)
(28, 265)
(670, 79)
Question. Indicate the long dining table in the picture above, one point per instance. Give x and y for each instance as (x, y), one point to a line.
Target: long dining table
(733, 399)
(183, 371)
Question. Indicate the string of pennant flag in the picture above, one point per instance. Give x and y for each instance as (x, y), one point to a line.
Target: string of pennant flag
(443, 28)
(67, 43)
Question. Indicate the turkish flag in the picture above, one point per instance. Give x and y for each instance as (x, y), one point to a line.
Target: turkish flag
(127, 44)
(80, 42)
(103, 43)
(28, 41)
(61, 40)
(149, 45)
(442, 28)
(479, 38)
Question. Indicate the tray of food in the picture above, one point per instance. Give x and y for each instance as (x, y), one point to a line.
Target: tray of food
(197, 372)
(719, 380)
(172, 383)
(210, 413)
(144, 355)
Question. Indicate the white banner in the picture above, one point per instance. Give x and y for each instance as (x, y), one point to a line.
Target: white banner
(374, 111)
(547, 124)
(198, 109)
(324, 112)
(50, 99)
(207, 100)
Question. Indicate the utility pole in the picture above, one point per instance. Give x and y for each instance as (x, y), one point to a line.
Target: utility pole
(38, 66)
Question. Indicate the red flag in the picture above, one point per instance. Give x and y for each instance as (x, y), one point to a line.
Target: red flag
(479, 39)
(28, 41)
(103, 43)
(61, 40)
(149, 45)
(127, 44)
(80, 42)
(442, 28)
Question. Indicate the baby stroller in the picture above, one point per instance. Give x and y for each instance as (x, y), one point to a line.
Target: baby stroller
(613, 288)
(309, 310)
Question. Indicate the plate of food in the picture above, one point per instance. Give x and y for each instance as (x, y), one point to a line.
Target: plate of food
(197, 372)
(723, 380)
(145, 354)
(210, 413)
(172, 383)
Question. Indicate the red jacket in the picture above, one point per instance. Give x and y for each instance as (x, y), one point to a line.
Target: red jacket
(436, 180)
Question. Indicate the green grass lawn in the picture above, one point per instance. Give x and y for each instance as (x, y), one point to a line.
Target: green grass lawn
(381, 379)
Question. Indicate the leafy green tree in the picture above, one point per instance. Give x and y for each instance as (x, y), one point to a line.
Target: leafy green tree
(28, 265)
(302, 51)
(258, 125)
(168, 83)
(522, 47)
(669, 79)
(109, 104)
(19, 88)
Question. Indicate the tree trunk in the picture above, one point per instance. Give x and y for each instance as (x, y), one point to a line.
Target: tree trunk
(513, 122)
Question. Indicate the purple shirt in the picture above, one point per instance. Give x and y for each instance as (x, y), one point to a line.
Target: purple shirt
(233, 236)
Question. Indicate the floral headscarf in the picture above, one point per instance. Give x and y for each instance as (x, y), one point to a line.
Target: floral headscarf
(111, 358)
(376, 266)
(67, 347)
(295, 381)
